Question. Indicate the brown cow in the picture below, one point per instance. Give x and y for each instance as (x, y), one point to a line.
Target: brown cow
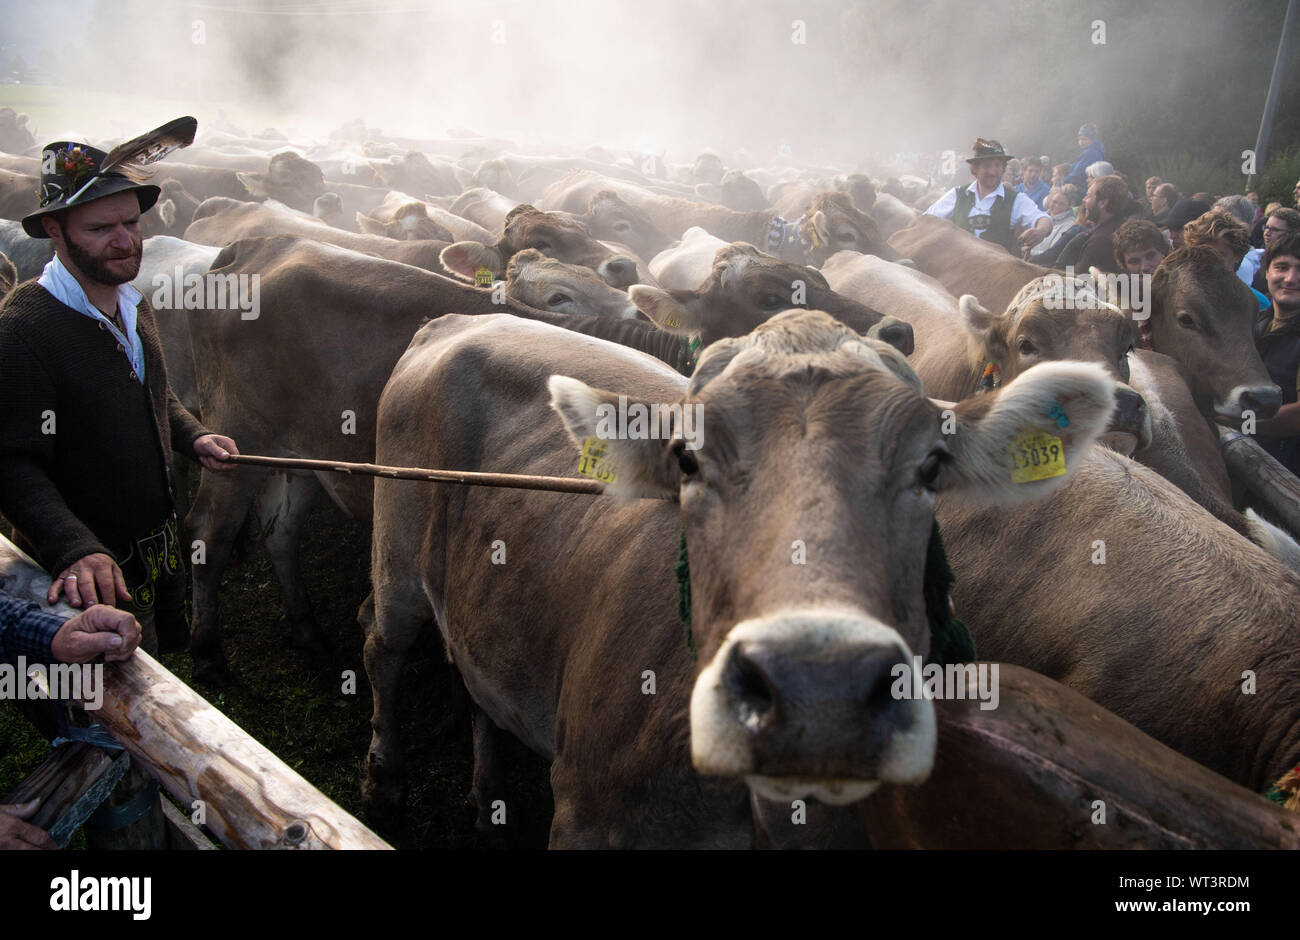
(252, 376)
(956, 341)
(461, 229)
(19, 194)
(1202, 317)
(332, 323)
(547, 284)
(1123, 589)
(747, 287)
(220, 222)
(963, 263)
(408, 222)
(813, 434)
(550, 233)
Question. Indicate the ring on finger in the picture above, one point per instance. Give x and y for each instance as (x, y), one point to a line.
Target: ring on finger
(71, 577)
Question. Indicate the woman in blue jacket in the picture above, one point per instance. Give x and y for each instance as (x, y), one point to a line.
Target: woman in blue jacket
(1092, 150)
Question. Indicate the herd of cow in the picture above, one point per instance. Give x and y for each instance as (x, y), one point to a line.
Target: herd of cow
(450, 304)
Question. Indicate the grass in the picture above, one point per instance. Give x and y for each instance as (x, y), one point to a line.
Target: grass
(296, 708)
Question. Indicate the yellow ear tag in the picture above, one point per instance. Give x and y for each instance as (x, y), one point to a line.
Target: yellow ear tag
(812, 231)
(484, 277)
(1036, 455)
(595, 461)
(671, 322)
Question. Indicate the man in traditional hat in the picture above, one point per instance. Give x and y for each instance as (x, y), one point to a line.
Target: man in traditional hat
(1184, 211)
(88, 420)
(988, 209)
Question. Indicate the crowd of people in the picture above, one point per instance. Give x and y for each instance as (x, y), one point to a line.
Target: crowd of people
(1088, 217)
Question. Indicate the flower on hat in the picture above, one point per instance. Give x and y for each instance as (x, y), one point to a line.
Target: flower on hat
(74, 163)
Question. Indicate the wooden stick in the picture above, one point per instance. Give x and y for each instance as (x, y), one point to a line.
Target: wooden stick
(524, 481)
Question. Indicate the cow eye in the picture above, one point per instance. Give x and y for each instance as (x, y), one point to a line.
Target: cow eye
(685, 459)
(770, 302)
(846, 238)
(557, 298)
(929, 469)
(1186, 322)
(1027, 348)
(541, 246)
(622, 226)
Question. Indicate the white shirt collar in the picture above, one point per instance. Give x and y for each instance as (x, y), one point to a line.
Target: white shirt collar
(58, 280)
(974, 190)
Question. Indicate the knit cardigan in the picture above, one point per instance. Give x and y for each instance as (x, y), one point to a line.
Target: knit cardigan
(85, 448)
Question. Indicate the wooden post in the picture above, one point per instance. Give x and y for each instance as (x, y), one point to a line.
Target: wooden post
(1047, 766)
(250, 798)
(1273, 485)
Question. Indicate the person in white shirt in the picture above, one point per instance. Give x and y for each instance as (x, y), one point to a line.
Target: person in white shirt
(988, 209)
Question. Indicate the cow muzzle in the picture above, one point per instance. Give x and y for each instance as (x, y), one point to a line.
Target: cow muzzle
(619, 271)
(1130, 423)
(801, 703)
(1261, 400)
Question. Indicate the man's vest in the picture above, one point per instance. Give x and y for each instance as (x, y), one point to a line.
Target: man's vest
(998, 230)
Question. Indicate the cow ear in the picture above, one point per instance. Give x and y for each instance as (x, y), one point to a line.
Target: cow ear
(822, 227)
(255, 183)
(167, 212)
(982, 329)
(629, 467)
(370, 226)
(1002, 441)
(667, 310)
(466, 258)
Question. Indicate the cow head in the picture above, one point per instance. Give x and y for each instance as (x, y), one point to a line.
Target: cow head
(547, 284)
(413, 172)
(328, 207)
(289, 178)
(859, 188)
(707, 168)
(410, 222)
(832, 223)
(735, 191)
(609, 218)
(1047, 322)
(807, 501)
(554, 235)
(495, 175)
(1202, 317)
(747, 288)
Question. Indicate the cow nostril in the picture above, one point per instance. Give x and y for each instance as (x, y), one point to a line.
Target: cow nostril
(751, 686)
(881, 694)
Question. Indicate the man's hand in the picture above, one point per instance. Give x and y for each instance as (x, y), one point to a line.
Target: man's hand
(98, 629)
(94, 579)
(212, 451)
(16, 834)
(1032, 236)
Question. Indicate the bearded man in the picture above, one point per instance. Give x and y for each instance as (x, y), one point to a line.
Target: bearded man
(88, 421)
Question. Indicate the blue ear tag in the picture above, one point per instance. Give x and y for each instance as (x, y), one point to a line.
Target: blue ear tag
(1062, 420)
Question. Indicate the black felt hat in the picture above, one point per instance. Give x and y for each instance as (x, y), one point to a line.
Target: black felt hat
(73, 174)
(986, 149)
(1183, 211)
